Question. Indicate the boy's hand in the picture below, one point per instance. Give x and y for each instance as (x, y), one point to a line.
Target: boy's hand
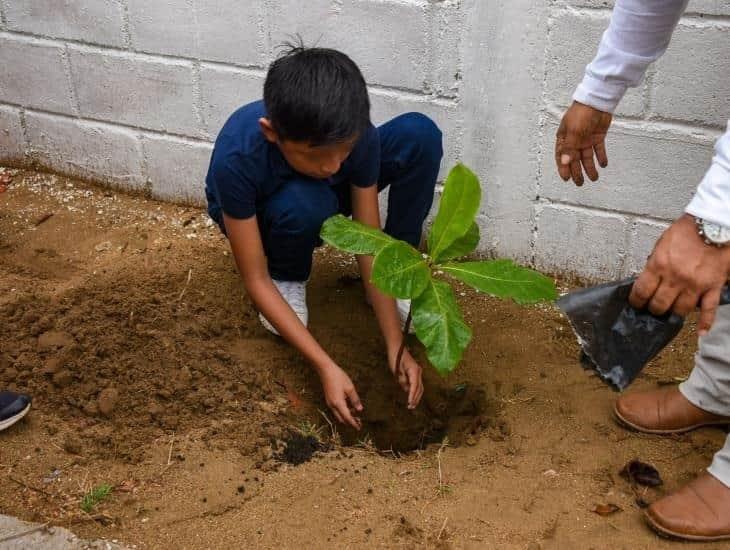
(340, 395)
(410, 377)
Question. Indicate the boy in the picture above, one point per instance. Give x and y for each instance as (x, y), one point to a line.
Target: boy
(281, 167)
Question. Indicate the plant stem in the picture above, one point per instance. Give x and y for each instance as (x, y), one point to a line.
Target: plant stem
(406, 328)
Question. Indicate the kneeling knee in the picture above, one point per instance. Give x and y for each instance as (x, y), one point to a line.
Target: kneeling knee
(422, 130)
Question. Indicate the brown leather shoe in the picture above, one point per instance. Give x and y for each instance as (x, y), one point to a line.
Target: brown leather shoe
(699, 511)
(663, 412)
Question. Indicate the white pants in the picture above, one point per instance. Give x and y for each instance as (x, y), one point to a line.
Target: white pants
(708, 386)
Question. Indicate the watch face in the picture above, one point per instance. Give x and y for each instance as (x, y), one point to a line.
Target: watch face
(716, 233)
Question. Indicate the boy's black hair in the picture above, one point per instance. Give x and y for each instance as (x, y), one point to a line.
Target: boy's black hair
(316, 95)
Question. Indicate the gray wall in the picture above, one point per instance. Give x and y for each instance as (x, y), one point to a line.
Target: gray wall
(132, 92)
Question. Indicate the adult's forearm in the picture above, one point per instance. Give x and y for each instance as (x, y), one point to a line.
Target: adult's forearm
(639, 33)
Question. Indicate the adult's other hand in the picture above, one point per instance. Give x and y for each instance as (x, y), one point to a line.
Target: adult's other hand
(582, 133)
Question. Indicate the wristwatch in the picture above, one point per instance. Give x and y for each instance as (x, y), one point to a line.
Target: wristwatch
(713, 233)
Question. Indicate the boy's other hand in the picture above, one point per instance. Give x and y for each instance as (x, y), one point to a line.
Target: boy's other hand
(582, 133)
(410, 377)
(340, 395)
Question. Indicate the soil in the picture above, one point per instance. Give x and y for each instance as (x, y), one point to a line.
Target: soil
(126, 321)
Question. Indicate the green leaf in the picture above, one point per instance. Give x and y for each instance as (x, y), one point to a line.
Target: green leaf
(504, 279)
(458, 208)
(462, 246)
(400, 270)
(440, 326)
(352, 236)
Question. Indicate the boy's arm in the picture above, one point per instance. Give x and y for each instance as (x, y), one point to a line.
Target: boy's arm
(249, 254)
(365, 210)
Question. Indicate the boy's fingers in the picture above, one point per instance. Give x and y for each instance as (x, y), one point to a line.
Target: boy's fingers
(346, 415)
(354, 399)
(419, 395)
(339, 419)
(413, 387)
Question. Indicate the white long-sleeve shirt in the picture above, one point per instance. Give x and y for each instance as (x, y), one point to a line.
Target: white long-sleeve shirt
(638, 35)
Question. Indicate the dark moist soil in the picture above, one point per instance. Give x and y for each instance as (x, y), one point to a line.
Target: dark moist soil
(127, 322)
(160, 337)
(300, 448)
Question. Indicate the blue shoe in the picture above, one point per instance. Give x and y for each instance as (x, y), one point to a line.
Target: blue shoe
(13, 407)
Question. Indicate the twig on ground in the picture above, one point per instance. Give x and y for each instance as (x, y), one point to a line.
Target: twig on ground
(332, 427)
(441, 532)
(169, 454)
(44, 218)
(24, 484)
(182, 293)
(444, 444)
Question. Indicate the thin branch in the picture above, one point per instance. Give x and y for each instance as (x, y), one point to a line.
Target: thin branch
(402, 349)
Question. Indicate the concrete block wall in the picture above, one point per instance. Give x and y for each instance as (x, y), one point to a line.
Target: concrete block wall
(133, 92)
(659, 147)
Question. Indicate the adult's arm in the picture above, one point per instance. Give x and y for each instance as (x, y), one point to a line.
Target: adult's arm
(638, 35)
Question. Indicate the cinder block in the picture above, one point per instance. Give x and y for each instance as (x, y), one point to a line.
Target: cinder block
(99, 152)
(573, 42)
(591, 3)
(447, 23)
(643, 236)
(98, 21)
(32, 74)
(647, 174)
(576, 241)
(388, 105)
(225, 90)
(176, 168)
(135, 90)
(12, 146)
(692, 81)
(709, 7)
(224, 30)
(388, 40)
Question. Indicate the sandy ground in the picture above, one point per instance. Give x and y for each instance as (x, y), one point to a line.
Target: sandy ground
(126, 321)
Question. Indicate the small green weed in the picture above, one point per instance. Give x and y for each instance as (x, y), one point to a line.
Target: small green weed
(95, 496)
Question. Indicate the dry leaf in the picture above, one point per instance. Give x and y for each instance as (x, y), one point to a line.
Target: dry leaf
(605, 509)
(641, 473)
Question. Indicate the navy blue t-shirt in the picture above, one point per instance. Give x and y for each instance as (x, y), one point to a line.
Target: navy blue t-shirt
(245, 168)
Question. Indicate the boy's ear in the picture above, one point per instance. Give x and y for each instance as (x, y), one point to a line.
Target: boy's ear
(268, 130)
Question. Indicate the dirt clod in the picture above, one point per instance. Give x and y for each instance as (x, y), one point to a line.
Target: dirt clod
(62, 378)
(299, 448)
(107, 400)
(53, 339)
(72, 444)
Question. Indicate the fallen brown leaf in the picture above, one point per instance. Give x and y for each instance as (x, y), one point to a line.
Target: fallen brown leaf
(605, 509)
(641, 473)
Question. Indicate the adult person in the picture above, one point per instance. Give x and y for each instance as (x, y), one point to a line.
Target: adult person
(689, 265)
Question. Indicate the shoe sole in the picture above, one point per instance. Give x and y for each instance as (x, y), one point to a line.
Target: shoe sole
(668, 533)
(641, 429)
(5, 424)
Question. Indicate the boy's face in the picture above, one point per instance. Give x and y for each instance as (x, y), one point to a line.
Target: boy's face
(319, 162)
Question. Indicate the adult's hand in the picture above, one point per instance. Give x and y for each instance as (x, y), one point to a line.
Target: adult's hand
(682, 272)
(582, 133)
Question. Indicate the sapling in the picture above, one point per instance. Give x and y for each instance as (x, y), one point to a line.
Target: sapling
(403, 272)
